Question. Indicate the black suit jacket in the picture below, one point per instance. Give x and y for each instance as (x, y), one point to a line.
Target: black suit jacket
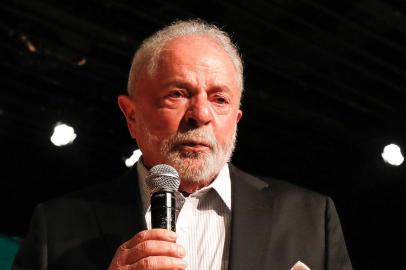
(273, 225)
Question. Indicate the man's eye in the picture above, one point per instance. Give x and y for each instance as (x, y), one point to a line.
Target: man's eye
(221, 100)
(175, 94)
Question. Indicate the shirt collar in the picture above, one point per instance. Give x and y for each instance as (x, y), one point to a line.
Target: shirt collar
(221, 184)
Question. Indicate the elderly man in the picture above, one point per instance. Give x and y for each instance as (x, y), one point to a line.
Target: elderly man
(185, 87)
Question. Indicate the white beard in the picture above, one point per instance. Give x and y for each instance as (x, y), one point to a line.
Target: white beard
(194, 167)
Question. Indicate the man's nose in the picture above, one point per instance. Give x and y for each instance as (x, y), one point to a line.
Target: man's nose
(199, 112)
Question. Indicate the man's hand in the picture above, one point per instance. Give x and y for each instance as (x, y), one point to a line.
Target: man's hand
(150, 249)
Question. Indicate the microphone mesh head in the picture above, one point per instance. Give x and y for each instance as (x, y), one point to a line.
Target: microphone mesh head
(162, 177)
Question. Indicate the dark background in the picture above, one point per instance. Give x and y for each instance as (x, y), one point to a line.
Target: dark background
(325, 92)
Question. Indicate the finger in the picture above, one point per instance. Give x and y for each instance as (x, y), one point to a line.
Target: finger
(118, 260)
(158, 263)
(152, 248)
(153, 234)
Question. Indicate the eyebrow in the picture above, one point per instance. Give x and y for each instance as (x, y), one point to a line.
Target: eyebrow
(183, 84)
(179, 83)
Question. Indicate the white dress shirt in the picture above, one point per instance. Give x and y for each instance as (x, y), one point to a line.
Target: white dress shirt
(203, 221)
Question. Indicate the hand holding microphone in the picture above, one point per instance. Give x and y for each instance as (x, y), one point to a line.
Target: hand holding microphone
(155, 248)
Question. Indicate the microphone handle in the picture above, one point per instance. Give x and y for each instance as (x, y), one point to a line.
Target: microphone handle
(163, 210)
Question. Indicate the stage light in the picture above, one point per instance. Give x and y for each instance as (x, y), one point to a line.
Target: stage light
(63, 135)
(81, 61)
(133, 158)
(392, 154)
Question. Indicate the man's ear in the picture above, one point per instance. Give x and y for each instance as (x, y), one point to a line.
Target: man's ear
(127, 107)
(239, 115)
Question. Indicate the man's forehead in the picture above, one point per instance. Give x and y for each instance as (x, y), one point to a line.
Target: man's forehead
(202, 53)
(193, 45)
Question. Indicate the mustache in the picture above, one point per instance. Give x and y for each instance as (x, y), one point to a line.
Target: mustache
(201, 136)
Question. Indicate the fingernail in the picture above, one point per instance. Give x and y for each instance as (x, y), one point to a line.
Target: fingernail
(180, 250)
(172, 235)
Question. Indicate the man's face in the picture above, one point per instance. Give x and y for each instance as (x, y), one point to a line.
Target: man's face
(185, 114)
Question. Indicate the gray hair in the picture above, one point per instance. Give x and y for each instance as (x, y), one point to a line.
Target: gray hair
(147, 55)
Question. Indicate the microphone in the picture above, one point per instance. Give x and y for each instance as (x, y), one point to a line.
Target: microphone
(162, 182)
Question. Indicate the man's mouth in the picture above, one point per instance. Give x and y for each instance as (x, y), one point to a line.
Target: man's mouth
(193, 145)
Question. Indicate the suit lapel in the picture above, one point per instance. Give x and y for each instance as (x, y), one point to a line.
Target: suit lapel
(251, 203)
(119, 212)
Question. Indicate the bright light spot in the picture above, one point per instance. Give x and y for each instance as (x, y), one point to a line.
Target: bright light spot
(134, 157)
(63, 135)
(392, 155)
(82, 62)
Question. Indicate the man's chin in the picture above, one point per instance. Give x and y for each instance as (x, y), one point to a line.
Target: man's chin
(193, 168)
